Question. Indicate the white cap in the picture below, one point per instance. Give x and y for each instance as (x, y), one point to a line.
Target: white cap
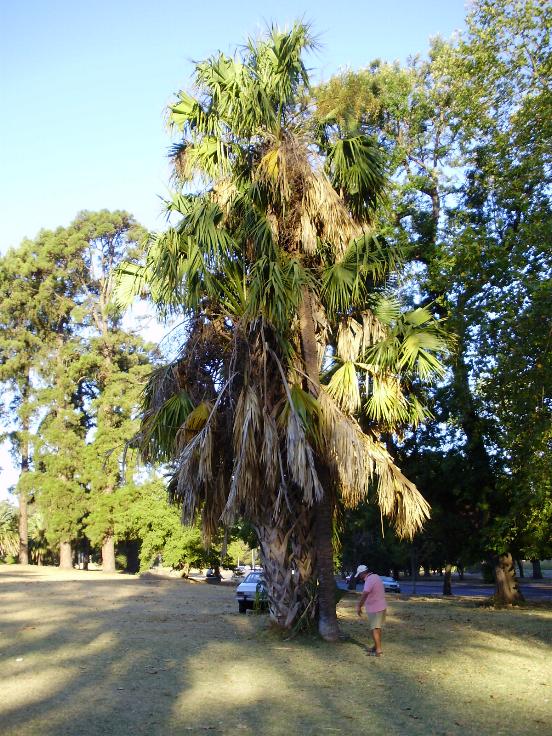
(361, 569)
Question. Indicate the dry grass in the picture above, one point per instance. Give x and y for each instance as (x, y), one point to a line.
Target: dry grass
(89, 654)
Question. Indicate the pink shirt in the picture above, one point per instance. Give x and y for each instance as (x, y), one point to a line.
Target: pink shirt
(376, 594)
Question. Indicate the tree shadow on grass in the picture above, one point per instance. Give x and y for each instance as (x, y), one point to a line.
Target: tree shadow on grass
(121, 655)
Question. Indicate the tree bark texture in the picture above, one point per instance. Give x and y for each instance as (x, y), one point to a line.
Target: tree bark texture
(323, 509)
(327, 617)
(108, 554)
(286, 554)
(507, 590)
(65, 556)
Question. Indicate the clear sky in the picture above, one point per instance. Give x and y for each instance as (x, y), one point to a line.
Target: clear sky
(84, 87)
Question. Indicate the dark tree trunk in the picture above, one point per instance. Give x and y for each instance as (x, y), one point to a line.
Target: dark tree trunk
(23, 504)
(108, 554)
(507, 590)
(447, 582)
(323, 509)
(460, 569)
(85, 553)
(537, 572)
(65, 556)
(327, 617)
(519, 563)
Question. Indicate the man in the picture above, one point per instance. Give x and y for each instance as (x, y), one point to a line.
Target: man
(373, 599)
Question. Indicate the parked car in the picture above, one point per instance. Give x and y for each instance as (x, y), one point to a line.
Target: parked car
(390, 584)
(252, 589)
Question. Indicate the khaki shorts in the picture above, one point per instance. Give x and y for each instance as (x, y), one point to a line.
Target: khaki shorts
(376, 620)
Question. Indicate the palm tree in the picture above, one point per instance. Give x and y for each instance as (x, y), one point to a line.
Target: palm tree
(283, 282)
(9, 536)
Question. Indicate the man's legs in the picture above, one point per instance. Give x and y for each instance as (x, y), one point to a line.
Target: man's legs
(376, 636)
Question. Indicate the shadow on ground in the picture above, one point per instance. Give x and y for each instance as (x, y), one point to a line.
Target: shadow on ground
(89, 655)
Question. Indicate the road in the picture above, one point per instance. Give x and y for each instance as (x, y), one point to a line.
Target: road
(531, 589)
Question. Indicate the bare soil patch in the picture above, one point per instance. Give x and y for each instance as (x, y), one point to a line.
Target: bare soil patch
(88, 654)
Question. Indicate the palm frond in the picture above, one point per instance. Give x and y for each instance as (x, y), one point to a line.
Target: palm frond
(358, 460)
(344, 389)
(350, 335)
(245, 485)
(160, 429)
(355, 167)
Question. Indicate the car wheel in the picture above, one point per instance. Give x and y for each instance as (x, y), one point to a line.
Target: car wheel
(242, 606)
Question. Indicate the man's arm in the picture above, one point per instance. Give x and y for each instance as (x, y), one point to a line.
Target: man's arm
(361, 601)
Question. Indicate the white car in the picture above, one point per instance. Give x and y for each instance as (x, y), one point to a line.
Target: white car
(250, 591)
(390, 584)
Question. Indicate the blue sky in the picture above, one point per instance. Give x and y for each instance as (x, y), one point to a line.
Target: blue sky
(84, 86)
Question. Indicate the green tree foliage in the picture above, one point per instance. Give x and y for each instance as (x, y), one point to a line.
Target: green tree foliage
(84, 374)
(467, 134)
(36, 299)
(143, 513)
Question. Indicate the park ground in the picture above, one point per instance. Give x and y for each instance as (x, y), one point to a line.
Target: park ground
(88, 654)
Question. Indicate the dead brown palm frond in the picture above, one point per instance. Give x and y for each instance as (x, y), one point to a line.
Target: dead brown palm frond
(350, 335)
(300, 454)
(223, 193)
(213, 505)
(373, 329)
(357, 459)
(300, 460)
(195, 469)
(327, 210)
(244, 487)
(284, 166)
(270, 460)
(400, 500)
(307, 236)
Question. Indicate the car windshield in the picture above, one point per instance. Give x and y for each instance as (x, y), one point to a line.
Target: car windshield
(253, 577)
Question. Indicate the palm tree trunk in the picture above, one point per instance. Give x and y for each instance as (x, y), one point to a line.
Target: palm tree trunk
(323, 509)
(286, 554)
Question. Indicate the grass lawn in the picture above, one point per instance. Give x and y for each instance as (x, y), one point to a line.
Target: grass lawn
(87, 654)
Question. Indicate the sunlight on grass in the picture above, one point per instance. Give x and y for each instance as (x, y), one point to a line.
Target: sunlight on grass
(31, 686)
(240, 678)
